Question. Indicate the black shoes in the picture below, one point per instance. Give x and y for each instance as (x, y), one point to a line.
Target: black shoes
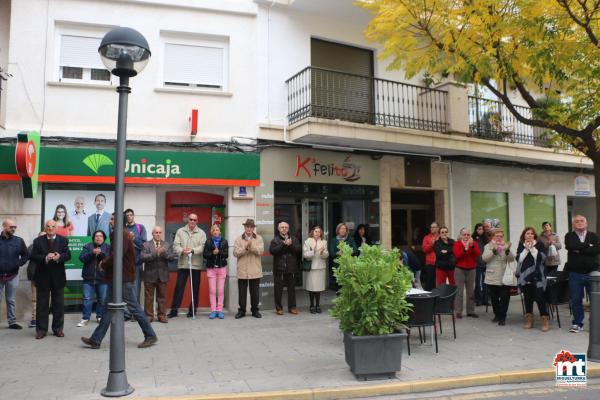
(496, 319)
(318, 309)
(502, 322)
(472, 315)
(240, 314)
(149, 341)
(15, 326)
(172, 314)
(90, 343)
(190, 314)
(312, 310)
(256, 314)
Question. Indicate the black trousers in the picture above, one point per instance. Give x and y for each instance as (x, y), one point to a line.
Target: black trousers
(43, 309)
(531, 294)
(281, 280)
(254, 285)
(500, 297)
(428, 277)
(182, 277)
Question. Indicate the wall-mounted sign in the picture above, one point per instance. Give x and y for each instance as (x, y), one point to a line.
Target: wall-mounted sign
(27, 153)
(243, 192)
(583, 186)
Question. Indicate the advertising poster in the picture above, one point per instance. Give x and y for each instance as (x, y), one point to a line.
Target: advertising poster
(78, 214)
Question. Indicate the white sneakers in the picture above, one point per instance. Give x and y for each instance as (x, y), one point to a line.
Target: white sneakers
(83, 322)
(575, 329)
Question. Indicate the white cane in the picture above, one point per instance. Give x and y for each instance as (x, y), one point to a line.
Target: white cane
(191, 285)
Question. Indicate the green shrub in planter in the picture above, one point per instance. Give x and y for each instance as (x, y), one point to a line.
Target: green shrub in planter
(372, 295)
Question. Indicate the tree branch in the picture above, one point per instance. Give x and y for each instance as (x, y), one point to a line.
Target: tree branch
(585, 25)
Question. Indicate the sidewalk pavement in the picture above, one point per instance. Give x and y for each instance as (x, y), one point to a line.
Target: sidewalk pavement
(202, 356)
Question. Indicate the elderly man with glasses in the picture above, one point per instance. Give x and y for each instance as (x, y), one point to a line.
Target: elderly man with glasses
(13, 254)
(188, 245)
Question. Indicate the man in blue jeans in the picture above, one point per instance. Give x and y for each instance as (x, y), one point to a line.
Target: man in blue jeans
(13, 255)
(129, 297)
(583, 248)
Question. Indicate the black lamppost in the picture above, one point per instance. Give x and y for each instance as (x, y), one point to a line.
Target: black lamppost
(125, 53)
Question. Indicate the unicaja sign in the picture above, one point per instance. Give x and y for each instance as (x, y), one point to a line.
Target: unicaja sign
(164, 170)
(570, 369)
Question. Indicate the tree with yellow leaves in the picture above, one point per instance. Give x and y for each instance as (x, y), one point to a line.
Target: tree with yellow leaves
(546, 50)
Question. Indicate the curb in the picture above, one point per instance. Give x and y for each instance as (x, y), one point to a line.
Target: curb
(418, 386)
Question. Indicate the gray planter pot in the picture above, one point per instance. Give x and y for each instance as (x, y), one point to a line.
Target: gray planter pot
(374, 357)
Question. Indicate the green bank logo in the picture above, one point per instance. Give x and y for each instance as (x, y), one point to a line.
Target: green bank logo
(96, 161)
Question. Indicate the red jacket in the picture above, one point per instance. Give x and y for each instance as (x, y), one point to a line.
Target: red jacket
(428, 242)
(466, 259)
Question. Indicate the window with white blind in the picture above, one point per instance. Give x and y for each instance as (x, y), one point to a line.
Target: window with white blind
(80, 61)
(202, 65)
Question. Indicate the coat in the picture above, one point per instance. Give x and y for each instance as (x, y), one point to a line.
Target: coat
(495, 263)
(333, 248)
(194, 240)
(102, 225)
(128, 259)
(249, 264)
(286, 259)
(444, 255)
(51, 274)
(582, 257)
(312, 252)
(219, 260)
(466, 259)
(427, 247)
(551, 260)
(13, 254)
(90, 272)
(140, 236)
(156, 266)
(530, 265)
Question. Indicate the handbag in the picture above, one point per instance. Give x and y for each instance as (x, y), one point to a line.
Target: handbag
(306, 265)
(552, 251)
(509, 278)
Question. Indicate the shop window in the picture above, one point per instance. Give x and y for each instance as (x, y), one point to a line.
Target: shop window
(190, 63)
(490, 205)
(538, 209)
(80, 61)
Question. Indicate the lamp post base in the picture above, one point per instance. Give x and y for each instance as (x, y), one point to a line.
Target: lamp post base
(117, 385)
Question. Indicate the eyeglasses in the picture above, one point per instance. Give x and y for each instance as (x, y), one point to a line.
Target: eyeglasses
(192, 219)
(466, 234)
(13, 227)
(443, 231)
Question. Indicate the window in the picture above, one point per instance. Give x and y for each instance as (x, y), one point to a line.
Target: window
(539, 208)
(490, 205)
(80, 61)
(194, 63)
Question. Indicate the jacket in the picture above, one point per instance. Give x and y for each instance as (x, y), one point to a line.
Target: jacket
(32, 265)
(427, 247)
(530, 265)
(139, 238)
(312, 251)
(219, 260)
(285, 258)
(194, 240)
(51, 274)
(582, 257)
(551, 260)
(90, 272)
(249, 264)
(495, 263)
(466, 259)
(128, 259)
(444, 255)
(156, 266)
(333, 248)
(13, 254)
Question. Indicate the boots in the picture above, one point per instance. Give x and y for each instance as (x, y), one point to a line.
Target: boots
(545, 323)
(528, 321)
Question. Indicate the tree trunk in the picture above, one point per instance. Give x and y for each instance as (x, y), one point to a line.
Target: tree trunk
(597, 193)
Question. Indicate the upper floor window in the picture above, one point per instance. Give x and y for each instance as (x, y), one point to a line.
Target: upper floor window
(194, 62)
(80, 61)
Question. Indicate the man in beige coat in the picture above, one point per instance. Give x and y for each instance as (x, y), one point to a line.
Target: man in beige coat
(188, 245)
(248, 249)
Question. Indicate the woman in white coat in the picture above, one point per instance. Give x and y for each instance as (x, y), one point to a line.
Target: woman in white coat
(315, 250)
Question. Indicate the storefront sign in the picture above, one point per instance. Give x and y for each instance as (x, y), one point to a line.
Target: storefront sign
(26, 161)
(97, 165)
(583, 186)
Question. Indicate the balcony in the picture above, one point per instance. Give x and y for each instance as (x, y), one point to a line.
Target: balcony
(491, 119)
(321, 93)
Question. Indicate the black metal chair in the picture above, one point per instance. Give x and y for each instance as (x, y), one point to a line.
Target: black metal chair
(422, 315)
(557, 293)
(445, 304)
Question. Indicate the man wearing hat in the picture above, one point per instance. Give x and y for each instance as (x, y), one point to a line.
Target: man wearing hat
(248, 249)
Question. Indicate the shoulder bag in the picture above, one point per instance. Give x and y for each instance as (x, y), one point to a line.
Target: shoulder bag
(509, 278)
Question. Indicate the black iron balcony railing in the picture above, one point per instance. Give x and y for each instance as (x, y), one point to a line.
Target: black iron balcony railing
(322, 93)
(491, 119)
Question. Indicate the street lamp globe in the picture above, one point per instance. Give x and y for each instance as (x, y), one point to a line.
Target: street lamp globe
(124, 52)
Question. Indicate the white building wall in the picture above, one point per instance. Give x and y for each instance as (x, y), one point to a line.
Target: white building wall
(4, 40)
(37, 100)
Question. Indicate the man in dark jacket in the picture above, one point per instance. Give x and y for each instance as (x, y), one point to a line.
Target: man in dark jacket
(50, 252)
(286, 251)
(13, 254)
(583, 248)
(156, 254)
(91, 256)
(129, 295)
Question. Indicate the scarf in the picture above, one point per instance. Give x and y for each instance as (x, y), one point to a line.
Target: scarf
(216, 240)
